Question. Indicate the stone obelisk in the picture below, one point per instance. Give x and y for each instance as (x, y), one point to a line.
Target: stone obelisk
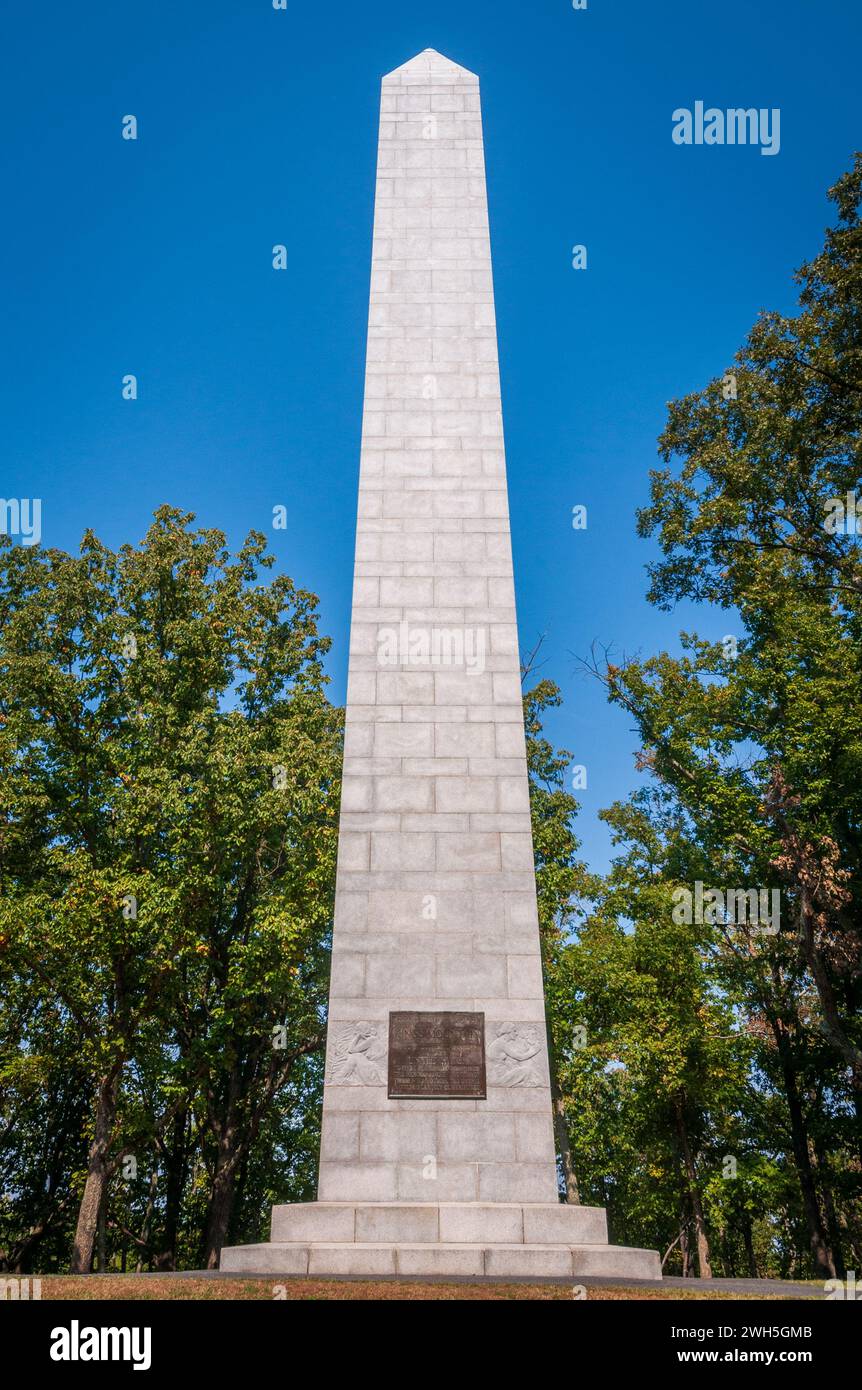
(437, 1149)
(436, 899)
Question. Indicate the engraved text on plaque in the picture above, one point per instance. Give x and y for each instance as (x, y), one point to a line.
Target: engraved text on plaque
(437, 1056)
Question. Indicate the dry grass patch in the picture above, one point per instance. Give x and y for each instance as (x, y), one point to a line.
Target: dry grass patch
(142, 1287)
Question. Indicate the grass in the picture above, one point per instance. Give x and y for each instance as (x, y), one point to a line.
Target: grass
(142, 1287)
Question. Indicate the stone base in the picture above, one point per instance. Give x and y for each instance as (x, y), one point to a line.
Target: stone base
(404, 1238)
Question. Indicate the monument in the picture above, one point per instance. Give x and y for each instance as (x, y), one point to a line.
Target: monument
(437, 1149)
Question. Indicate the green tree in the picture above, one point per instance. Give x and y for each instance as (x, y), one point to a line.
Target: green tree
(562, 886)
(169, 769)
(663, 1056)
(759, 736)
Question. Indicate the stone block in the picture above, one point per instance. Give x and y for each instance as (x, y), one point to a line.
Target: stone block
(525, 1261)
(339, 1140)
(565, 1225)
(517, 1182)
(264, 1259)
(312, 1221)
(616, 1262)
(491, 1223)
(439, 1182)
(460, 976)
(357, 1182)
(352, 1259)
(399, 977)
(451, 1261)
(534, 1138)
(402, 1224)
(403, 1136)
(478, 1137)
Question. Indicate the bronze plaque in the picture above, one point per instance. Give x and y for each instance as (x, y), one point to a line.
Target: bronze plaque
(436, 1056)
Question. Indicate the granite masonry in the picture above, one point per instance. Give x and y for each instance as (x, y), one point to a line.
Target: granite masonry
(437, 1152)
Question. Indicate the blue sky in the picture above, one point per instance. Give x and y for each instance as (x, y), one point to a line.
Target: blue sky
(258, 126)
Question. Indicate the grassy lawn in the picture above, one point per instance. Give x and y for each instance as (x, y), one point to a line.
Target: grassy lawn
(130, 1286)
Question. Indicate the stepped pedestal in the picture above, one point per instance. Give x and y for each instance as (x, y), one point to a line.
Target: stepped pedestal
(499, 1239)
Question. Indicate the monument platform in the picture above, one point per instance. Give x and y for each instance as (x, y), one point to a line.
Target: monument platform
(497, 1239)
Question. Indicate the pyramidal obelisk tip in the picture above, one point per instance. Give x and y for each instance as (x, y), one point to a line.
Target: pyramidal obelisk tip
(429, 64)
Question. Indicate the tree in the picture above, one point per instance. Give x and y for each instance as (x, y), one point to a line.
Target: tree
(759, 736)
(169, 796)
(662, 1050)
(562, 885)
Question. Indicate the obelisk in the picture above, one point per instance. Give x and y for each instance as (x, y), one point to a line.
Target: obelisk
(436, 899)
(437, 1149)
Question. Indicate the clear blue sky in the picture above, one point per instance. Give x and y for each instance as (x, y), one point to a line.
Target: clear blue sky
(258, 126)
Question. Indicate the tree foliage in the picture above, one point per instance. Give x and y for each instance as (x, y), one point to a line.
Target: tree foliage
(170, 770)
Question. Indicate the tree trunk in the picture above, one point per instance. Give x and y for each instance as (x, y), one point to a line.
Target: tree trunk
(103, 1232)
(824, 1263)
(857, 1106)
(561, 1128)
(564, 1148)
(146, 1225)
(831, 1022)
(98, 1173)
(176, 1162)
(20, 1257)
(223, 1125)
(703, 1262)
(825, 1181)
(748, 1242)
(221, 1202)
